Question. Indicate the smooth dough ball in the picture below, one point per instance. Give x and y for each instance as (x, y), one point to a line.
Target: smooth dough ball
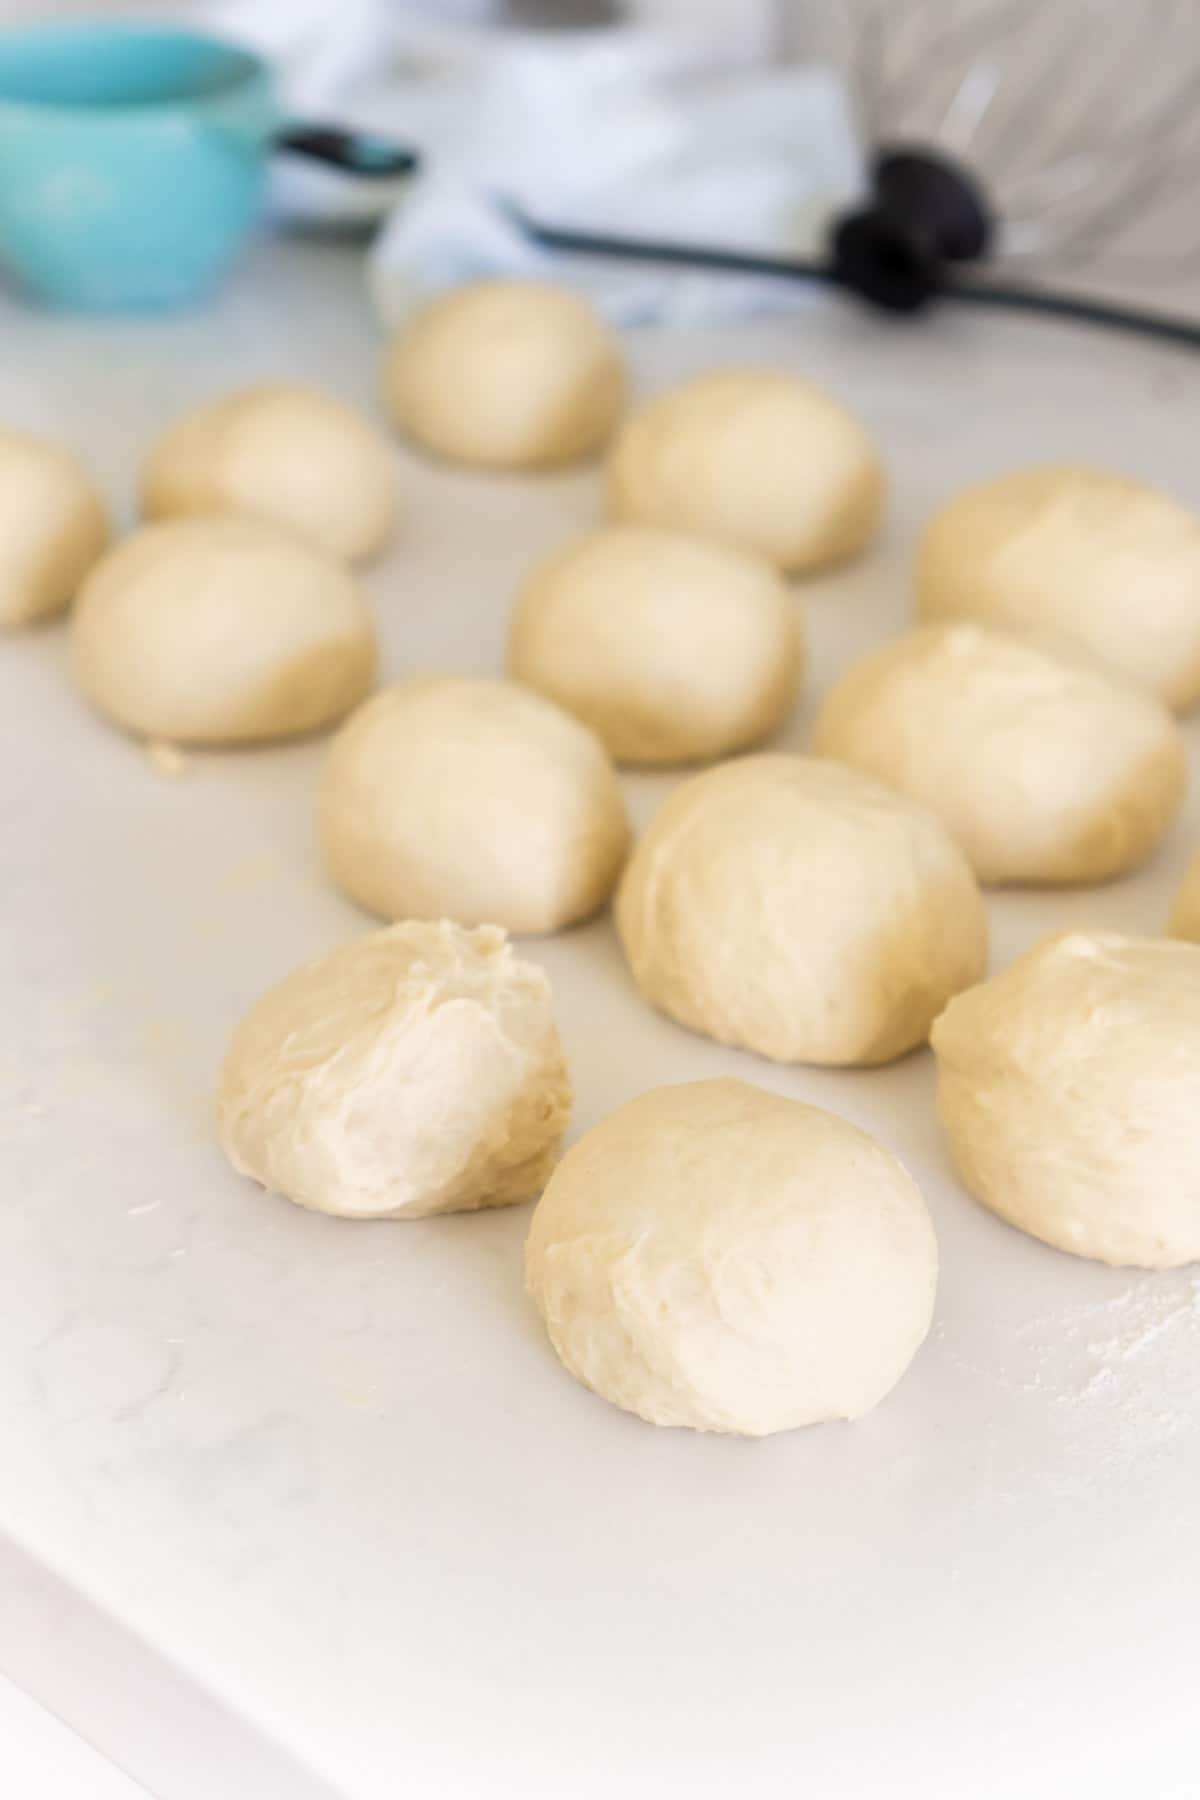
(284, 453)
(506, 374)
(1045, 767)
(474, 800)
(1185, 918)
(221, 631)
(670, 648)
(53, 526)
(1096, 558)
(755, 458)
(716, 1256)
(415, 1071)
(801, 910)
(1069, 1089)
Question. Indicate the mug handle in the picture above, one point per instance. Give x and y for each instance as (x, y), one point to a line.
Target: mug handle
(358, 152)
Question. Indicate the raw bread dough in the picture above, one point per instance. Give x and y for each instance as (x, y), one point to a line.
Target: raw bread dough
(1046, 767)
(221, 630)
(506, 374)
(755, 458)
(417, 1070)
(716, 1256)
(281, 452)
(53, 527)
(671, 649)
(802, 910)
(1185, 919)
(1069, 1089)
(474, 800)
(1096, 558)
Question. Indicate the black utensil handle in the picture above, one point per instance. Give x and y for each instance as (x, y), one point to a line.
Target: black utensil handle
(358, 152)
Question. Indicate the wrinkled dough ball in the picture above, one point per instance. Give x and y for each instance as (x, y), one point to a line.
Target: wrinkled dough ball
(415, 1071)
(53, 527)
(754, 458)
(1095, 558)
(715, 1256)
(221, 631)
(801, 910)
(280, 452)
(671, 649)
(1069, 1090)
(1045, 767)
(472, 800)
(1185, 918)
(506, 374)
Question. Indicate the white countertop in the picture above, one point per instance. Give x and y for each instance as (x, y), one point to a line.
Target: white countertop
(299, 1507)
(42, 1759)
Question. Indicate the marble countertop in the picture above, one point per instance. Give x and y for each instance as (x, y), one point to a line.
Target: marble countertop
(296, 1507)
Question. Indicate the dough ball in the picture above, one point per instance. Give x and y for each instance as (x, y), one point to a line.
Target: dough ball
(507, 375)
(284, 453)
(1095, 558)
(1069, 1089)
(715, 1256)
(671, 649)
(754, 458)
(1185, 919)
(1045, 767)
(801, 910)
(220, 631)
(415, 1071)
(52, 528)
(472, 800)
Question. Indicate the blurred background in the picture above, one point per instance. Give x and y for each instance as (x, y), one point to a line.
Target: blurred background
(745, 124)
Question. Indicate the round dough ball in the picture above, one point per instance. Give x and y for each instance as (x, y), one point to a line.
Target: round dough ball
(416, 1071)
(801, 910)
(755, 458)
(1096, 558)
(54, 528)
(716, 1256)
(671, 649)
(1185, 918)
(1045, 767)
(1069, 1089)
(472, 800)
(506, 374)
(281, 452)
(221, 631)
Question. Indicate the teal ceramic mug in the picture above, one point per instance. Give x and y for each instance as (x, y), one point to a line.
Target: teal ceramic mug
(133, 159)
